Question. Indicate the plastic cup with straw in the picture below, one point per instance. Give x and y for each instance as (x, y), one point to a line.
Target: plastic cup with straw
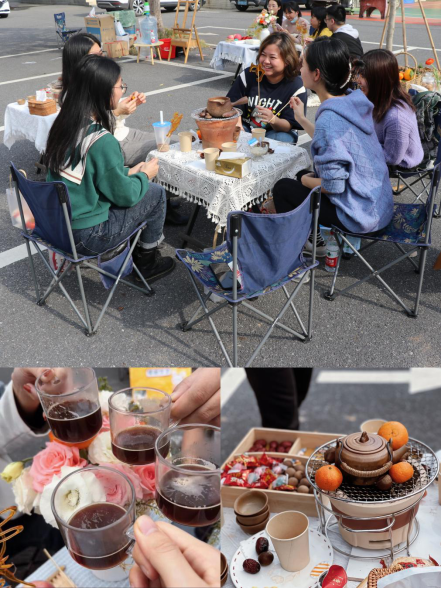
(161, 129)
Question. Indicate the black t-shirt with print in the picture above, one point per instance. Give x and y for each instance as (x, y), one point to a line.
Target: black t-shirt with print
(273, 96)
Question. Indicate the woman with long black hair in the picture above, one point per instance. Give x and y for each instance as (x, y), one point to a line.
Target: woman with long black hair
(108, 201)
(347, 158)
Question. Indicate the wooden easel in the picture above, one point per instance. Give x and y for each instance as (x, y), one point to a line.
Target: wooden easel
(404, 33)
(187, 38)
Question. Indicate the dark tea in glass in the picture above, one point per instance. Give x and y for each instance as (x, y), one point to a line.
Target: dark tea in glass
(75, 421)
(136, 445)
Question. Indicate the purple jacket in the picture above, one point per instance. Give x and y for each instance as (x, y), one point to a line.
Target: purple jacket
(399, 137)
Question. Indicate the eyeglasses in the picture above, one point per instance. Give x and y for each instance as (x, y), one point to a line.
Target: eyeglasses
(123, 87)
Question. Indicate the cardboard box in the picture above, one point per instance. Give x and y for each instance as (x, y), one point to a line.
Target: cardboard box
(115, 49)
(124, 40)
(235, 168)
(102, 26)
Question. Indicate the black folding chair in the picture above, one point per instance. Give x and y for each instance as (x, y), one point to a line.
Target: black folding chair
(49, 203)
(410, 226)
(265, 252)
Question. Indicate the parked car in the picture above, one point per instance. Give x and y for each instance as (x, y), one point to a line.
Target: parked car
(138, 5)
(4, 8)
(242, 5)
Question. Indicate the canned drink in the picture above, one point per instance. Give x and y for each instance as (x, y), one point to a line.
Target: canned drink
(331, 259)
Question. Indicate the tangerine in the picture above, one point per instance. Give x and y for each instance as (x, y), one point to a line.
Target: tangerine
(328, 477)
(401, 75)
(401, 472)
(396, 431)
(408, 74)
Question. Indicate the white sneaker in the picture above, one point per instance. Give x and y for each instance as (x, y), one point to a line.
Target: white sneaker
(56, 261)
(321, 247)
(299, 277)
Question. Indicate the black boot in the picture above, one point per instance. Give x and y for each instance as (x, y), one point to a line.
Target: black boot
(151, 264)
(173, 217)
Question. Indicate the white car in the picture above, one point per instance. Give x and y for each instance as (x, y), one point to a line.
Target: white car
(4, 8)
(137, 5)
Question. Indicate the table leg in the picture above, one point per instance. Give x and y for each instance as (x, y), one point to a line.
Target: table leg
(138, 54)
(159, 54)
(151, 56)
(192, 219)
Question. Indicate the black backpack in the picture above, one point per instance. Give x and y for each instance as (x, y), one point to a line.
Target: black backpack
(428, 121)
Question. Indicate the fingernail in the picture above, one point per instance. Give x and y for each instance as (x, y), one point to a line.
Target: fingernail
(28, 388)
(146, 525)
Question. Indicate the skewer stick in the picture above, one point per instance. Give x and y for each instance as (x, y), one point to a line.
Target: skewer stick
(66, 580)
(299, 91)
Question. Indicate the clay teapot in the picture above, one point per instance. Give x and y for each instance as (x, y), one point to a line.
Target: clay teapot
(218, 105)
(365, 458)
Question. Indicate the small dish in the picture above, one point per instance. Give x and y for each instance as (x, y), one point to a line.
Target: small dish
(224, 565)
(21, 101)
(251, 503)
(253, 520)
(254, 529)
(224, 578)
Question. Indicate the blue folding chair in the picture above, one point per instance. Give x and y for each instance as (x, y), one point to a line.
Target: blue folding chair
(63, 33)
(418, 181)
(410, 226)
(268, 252)
(49, 203)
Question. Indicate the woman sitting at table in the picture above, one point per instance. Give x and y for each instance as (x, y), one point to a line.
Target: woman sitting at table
(275, 7)
(108, 201)
(293, 22)
(317, 21)
(347, 157)
(394, 114)
(266, 104)
(135, 144)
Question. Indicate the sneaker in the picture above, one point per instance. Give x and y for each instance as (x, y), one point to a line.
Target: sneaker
(298, 278)
(321, 247)
(56, 261)
(152, 264)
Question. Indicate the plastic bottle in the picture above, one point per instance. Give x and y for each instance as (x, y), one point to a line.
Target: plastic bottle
(331, 260)
(148, 27)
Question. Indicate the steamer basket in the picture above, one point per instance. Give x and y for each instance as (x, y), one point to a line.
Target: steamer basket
(374, 519)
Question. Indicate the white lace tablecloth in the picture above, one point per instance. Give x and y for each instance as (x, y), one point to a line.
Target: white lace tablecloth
(20, 124)
(184, 174)
(234, 52)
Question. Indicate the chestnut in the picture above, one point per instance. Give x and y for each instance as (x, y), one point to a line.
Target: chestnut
(251, 566)
(266, 558)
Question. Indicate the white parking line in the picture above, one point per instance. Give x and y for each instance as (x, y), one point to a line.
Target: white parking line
(15, 254)
(28, 53)
(231, 379)
(31, 78)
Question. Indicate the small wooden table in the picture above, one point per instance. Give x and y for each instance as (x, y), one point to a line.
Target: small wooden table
(152, 47)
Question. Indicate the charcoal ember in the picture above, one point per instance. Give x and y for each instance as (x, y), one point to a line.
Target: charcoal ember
(262, 545)
(208, 116)
(251, 566)
(266, 558)
(271, 150)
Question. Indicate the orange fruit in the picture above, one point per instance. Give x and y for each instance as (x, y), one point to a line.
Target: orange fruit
(401, 472)
(401, 75)
(408, 74)
(79, 445)
(328, 477)
(395, 430)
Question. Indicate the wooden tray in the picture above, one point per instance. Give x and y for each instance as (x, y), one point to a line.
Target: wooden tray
(42, 109)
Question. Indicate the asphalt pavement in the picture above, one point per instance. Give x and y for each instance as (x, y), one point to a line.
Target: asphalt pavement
(366, 328)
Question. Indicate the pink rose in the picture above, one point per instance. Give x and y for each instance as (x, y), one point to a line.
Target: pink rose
(49, 462)
(117, 491)
(106, 425)
(146, 475)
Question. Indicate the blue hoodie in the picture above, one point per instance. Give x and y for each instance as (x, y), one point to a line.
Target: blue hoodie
(348, 157)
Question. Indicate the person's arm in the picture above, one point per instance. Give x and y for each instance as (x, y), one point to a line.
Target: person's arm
(298, 105)
(330, 157)
(396, 140)
(197, 398)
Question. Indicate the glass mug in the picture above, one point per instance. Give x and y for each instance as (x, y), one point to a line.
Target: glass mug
(96, 530)
(69, 397)
(188, 478)
(137, 416)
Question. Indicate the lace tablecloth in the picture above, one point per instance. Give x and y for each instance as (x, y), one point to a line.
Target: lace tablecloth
(184, 174)
(234, 52)
(20, 124)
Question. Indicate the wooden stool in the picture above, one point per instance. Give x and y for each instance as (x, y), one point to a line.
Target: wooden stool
(152, 47)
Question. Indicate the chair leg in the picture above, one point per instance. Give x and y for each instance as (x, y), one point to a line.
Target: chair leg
(34, 275)
(310, 306)
(89, 330)
(235, 334)
(423, 259)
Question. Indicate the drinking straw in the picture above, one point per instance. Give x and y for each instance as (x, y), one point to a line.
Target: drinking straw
(161, 117)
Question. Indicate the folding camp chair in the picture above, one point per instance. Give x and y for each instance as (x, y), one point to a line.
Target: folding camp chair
(50, 204)
(419, 181)
(267, 251)
(63, 33)
(410, 226)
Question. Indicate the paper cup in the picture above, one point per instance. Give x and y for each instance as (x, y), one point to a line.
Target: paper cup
(258, 134)
(372, 426)
(229, 146)
(185, 141)
(210, 156)
(289, 534)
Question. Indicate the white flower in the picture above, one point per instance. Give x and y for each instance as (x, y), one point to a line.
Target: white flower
(25, 496)
(103, 397)
(100, 451)
(78, 491)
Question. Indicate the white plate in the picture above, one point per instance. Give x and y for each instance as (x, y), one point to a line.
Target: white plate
(274, 575)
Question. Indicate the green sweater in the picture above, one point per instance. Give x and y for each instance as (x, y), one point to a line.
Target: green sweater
(105, 183)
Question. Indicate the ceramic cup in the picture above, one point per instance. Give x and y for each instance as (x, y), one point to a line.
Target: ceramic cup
(185, 141)
(229, 146)
(210, 156)
(289, 534)
(372, 426)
